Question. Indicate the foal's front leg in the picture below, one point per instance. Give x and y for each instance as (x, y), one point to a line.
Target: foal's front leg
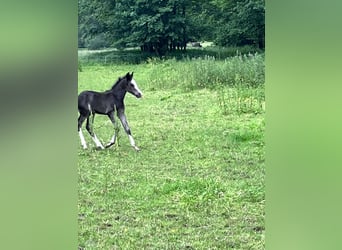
(122, 117)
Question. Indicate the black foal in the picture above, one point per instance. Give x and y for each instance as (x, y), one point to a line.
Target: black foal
(106, 103)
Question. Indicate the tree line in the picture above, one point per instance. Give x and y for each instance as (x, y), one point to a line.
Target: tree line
(159, 26)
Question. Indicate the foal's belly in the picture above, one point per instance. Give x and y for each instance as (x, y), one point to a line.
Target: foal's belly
(104, 111)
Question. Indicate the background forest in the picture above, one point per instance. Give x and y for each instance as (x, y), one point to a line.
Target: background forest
(159, 26)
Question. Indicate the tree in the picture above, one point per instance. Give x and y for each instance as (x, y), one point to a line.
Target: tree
(245, 24)
(154, 25)
(159, 26)
(92, 29)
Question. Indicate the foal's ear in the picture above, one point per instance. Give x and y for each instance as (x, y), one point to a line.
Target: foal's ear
(129, 77)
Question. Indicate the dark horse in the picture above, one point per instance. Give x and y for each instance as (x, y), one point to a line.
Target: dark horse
(106, 103)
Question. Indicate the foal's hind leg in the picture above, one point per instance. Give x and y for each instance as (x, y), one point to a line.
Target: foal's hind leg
(81, 119)
(91, 132)
(116, 128)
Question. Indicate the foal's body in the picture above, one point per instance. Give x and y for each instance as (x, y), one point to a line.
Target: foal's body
(106, 103)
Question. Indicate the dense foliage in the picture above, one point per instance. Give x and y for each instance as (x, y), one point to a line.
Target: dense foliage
(165, 25)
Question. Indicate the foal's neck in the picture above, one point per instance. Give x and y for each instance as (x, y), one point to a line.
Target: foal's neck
(118, 91)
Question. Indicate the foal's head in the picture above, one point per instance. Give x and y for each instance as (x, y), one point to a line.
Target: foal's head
(131, 86)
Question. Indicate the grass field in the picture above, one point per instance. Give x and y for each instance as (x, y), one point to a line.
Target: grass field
(198, 181)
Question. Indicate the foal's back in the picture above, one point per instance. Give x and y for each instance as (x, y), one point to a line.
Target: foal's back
(96, 102)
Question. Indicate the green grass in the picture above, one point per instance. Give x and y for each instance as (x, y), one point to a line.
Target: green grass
(198, 181)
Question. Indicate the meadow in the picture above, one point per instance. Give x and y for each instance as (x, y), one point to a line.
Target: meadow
(199, 180)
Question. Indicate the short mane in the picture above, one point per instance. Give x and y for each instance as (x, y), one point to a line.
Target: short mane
(119, 79)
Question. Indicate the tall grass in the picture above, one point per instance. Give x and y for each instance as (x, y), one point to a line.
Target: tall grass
(207, 72)
(241, 100)
(239, 80)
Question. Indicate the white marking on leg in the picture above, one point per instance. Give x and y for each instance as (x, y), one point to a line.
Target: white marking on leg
(83, 142)
(112, 141)
(97, 142)
(131, 140)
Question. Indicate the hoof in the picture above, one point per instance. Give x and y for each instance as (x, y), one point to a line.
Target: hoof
(109, 144)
